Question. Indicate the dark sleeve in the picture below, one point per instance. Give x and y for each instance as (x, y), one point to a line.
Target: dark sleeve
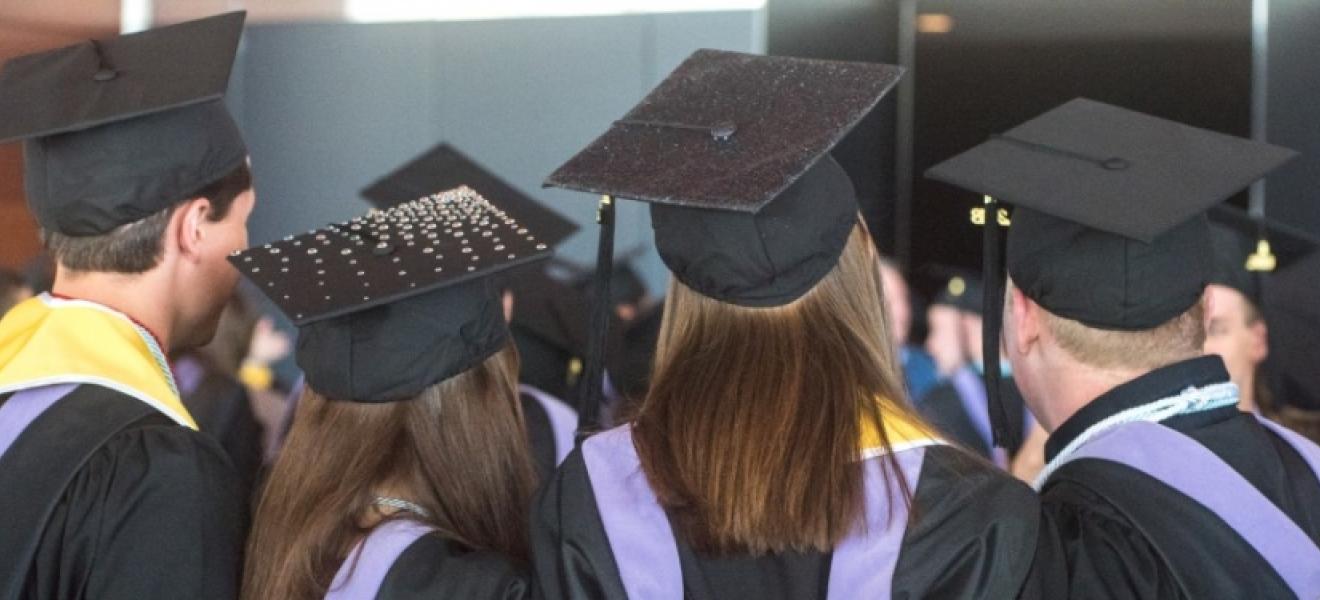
(1088, 550)
(570, 553)
(157, 512)
(433, 567)
(973, 532)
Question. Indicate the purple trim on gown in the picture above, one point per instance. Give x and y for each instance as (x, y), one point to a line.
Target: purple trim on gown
(1167, 455)
(21, 409)
(643, 545)
(361, 574)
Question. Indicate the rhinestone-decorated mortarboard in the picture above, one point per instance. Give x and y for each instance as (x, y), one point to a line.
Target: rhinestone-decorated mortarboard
(118, 129)
(444, 167)
(1109, 227)
(1248, 249)
(731, 151)
(390, 303)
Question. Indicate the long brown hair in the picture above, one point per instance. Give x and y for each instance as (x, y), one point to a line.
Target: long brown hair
(458, 449)
(750, 432)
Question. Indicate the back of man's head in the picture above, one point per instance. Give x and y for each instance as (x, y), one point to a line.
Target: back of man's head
(1177, 339)
(137, 247)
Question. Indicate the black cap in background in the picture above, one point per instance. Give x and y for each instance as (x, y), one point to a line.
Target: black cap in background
(961, 289)
(116, 130)
(1247, 249)
(1293, 315)
(392, 302)
(444, 167)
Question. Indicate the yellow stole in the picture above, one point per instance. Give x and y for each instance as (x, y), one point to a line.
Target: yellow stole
(902, 431)
(48, 341)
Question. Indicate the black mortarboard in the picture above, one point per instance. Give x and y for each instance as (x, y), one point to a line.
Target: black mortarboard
(393, 302)
(443, 167)
(1109, 226)
(1293, 315)
(626, 285)
(1248, 248)
(549, 325)
(731, 150)
(119, 129)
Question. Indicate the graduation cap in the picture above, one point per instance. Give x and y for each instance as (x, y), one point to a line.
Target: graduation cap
(962, 289)
(549, 325)
(116, 130)
(626, 285)
(1109, 226)
(731, 151)
(390, 303)
(444, 167)
(1293, 315)
(1247, 248)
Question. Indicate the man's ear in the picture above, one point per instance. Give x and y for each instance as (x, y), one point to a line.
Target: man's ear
(187, 226)
(1259, 350)
(1026, 320)
(1207, 308)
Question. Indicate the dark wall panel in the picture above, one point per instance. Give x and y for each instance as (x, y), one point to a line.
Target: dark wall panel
(1293, 113)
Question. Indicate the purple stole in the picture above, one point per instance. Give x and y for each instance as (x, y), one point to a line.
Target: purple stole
(1167, 455)
(647, 556)
(361, 574)
(24, 407)
(563, 420)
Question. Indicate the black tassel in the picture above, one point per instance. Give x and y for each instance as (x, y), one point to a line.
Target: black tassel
(591, 386)
(1007, 435)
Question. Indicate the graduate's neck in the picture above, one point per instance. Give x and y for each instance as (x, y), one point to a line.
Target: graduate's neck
(1246, 383)
(1070, 385)
(144, 297)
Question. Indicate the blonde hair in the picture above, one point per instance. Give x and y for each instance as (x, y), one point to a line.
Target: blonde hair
(751, 430)
(1177, 339)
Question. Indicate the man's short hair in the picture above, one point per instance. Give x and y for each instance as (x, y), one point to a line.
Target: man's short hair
(137, 247)
(1177, 339)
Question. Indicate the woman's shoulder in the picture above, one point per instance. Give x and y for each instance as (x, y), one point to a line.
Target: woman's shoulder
(952, 478)
(436, 567)
(567, 493)
(968, 517)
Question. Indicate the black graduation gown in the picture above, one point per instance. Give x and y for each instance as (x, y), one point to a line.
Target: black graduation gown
(1104, 522)
(943, 408)
(433, 567)
(973, 537)
(156, 510)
